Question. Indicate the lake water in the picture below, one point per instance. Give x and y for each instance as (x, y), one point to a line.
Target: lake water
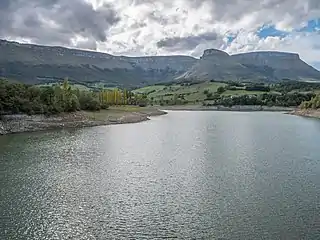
(186, 175)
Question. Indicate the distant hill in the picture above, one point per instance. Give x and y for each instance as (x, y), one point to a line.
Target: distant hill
(42, 64)
(39, 64)
(218, 65)
(278, 65)
(268, 66)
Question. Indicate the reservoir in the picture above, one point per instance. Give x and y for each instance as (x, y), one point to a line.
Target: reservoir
(185, 175)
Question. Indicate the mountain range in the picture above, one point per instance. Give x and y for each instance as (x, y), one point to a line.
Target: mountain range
(35, 64)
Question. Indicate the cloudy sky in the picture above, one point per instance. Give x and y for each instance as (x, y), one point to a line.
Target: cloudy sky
(163, 27)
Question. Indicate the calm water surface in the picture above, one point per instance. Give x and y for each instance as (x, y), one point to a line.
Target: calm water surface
(186, 175)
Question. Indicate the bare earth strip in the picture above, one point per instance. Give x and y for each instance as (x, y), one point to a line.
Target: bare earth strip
(307, 113)
(115, 115)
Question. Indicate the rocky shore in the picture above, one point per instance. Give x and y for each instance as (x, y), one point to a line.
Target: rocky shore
(25, 123)
(306, 113)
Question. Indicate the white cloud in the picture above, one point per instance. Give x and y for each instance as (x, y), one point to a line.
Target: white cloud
(145, 23)
(162, 27)
(305, 44)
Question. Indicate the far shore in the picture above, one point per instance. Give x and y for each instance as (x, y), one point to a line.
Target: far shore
(244, 108)
(287, 110)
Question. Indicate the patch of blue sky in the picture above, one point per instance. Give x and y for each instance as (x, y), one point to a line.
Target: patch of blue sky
(271, 31)
(230, 39)
(311, 26)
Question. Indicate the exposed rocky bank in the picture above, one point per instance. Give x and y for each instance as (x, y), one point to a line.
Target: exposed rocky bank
(314, 113)
(24, 123)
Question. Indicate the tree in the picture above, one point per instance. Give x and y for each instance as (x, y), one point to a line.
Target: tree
(221, 90)
(21, 98)
(314, 103)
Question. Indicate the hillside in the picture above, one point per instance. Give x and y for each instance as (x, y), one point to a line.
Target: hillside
(211, 93)
(218, 65)
(278, 65)
(268, 66)
(37, 64)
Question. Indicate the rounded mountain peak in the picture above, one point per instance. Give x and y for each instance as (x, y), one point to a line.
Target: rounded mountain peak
(214, 53)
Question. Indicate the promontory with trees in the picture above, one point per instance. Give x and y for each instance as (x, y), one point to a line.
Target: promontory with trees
(26, 107)
(66, 96)
(134, 105)
(16, 98)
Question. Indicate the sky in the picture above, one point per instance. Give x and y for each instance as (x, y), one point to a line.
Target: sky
(166, 27)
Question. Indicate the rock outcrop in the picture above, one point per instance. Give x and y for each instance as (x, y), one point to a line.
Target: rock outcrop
(2, 128)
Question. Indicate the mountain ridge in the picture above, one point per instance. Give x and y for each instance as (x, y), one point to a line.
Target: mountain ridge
(32, 63)
(260, 65)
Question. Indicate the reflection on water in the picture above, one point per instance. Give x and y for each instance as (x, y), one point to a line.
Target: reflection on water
(186, 175)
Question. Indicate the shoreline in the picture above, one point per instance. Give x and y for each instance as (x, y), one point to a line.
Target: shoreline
(238, 108)
(310, 113)
(12, 124)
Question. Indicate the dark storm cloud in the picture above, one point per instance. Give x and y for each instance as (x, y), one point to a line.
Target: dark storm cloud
(83, 19)
(30, 19)
(189, 42)
(4, 4)
(5, 16)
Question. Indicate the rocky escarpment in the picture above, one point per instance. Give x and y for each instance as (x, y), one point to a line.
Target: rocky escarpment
(278, 65)
(267, 58)
(255, 66)
(218, 65)
(214, 54)
(39, 64)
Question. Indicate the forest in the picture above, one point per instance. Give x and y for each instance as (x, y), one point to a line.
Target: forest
(284, 94)
(266, 99)
(18, 98)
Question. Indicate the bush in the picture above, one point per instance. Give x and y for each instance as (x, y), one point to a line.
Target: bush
(104, 106)
(221, 90)
(206, 91)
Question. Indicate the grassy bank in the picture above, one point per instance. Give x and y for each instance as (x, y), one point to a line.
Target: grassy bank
(211, 93)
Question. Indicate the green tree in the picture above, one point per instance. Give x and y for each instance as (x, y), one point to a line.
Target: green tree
(221, 90)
